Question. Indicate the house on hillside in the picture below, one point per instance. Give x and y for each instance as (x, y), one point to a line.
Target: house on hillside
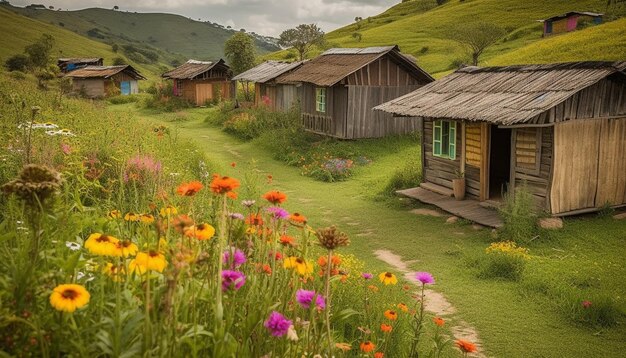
(201, 81)
(70, 64)
(339, 88)
(558, 129)
(104, 81)
(266, 91)
(569, 22)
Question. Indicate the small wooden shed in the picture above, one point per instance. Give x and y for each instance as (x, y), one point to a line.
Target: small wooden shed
(559, 128)
(339, 88)
(201, 81)
(569, 22)
(71, 64)
(266, 91)
(104, 81)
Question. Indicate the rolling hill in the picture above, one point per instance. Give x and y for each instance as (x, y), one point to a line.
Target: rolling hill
(170, 33)
(422, 28)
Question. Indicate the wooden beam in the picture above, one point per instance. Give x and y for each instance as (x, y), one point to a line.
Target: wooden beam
(484, 161)
(462, 166)
(513, 162)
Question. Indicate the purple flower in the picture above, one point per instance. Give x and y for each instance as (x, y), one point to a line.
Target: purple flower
(239, 258)
(425, 278)
(248, 203)
(278, 213)
(277, 324)
(305, 298)
(367, 275)
(236, 216)
(232, 280)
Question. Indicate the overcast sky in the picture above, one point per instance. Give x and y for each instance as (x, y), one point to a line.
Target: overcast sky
(266, 17)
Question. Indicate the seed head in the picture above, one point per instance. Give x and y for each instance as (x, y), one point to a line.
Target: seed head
(331, 239)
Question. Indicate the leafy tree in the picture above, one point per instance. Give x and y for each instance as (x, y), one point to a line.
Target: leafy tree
(17, 62)
(115, 47)
(302, 38)
(45, 74)
(118, 61)
(239, 50)
(116, 7)
(39, 51)
(357, 36)
(476, 37)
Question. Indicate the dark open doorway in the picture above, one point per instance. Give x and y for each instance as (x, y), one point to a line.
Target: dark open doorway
(499, 162)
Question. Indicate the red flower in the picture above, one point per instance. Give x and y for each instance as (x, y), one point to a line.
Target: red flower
(275, 197)
(465, 346)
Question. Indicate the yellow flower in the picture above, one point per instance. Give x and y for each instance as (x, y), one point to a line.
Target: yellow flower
(201, 232)
(388, 278)
(100, 244)
(131, 217)
(168, 211)
(114, 214)
(69, 297)
(302, 267)
(126, 248)
(392, 315)
(146, 218)
(163, 245)
(151, 260)
(116, 272)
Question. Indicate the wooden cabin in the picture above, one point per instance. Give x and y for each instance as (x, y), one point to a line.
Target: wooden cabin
(70, 64)
(267, 92)
(339, 88)
(105, 81)
(201, 82)
(559, 129)
(569, 22)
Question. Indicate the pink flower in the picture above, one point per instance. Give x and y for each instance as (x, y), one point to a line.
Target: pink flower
(586, 303)
(425, 278)
(66, 148)
(232, 280)
(277, 324)
(239, 258)
(367, 275)
(305, 298)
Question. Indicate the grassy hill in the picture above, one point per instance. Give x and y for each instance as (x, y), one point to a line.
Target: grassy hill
(19, 31)
(421, 28)
(167, 32)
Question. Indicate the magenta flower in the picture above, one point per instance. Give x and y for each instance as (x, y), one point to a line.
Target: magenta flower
(305, 298)
(367, 275)
(425, 278)
(278, 212)
(232, 280)
(239, 258)
(277, 324)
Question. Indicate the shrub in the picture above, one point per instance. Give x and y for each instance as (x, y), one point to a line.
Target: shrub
(594, 311)
(124, 99)
(17, 62)
(161, 98)
(504, 260)
(519, 215)
(18, 75)
(407, 176)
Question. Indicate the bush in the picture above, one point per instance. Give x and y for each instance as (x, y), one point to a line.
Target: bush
(519, 215)
(407, 176)
(17, 62)
(593, 311)
(18, 75)
(161, 98)
(504, 260)
(124, 99)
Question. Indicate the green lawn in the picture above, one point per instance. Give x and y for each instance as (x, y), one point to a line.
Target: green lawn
(513, 319)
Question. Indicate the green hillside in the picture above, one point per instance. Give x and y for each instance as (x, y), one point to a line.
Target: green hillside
(168, 32)
(19, 31)
(422, 28)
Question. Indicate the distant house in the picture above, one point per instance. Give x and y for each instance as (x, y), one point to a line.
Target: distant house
(560, 129)
(104, 81)
(266, 91)
(339, 88)
(569, 22)
(200, 82)
(71, 64)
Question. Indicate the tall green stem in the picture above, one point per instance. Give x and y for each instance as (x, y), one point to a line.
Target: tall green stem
(327, 294)
(219, 308)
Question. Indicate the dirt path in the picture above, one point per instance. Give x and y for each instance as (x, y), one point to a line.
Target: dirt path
(435, 302)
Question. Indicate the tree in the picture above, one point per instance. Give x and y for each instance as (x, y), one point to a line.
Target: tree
(17, 62)
(476, 37)
(239, 50)
(39, 51)
(115, 47)
(357, 36)
(118, 61)
(302, 38)
(116, 7)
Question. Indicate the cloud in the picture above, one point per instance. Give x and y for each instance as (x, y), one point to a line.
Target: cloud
(266, 17)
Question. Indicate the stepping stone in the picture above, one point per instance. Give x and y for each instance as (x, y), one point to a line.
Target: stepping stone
(426, 212)
(620, 216)
(551, 223)
(452, 220)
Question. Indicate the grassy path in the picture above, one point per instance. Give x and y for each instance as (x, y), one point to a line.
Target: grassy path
(509, 324)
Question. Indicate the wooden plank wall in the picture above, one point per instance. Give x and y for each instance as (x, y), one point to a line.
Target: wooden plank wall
(286, 97)
(93, 88)
(473, 155)
(439, 171)
(537, 181)
(612, 171)
(364, 122)
(382, 72)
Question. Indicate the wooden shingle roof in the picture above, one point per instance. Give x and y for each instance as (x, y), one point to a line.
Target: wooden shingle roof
(104, 72)
(501, 95)
(336, 64)
(267, 71)
(193, 68)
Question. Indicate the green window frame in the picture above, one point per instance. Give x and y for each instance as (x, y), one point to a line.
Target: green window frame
(444, 139)
(320, 100)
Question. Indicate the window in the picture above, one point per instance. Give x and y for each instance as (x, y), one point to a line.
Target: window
(178, 90)
(320, 100)
(444, 139)
(528, 150)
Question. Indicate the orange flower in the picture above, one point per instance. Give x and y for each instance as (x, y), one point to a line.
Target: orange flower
(344, 278)
(254, 219)
(275, 197)
(323, 261)
(439, 321)
(189, 189)
(379, 355)
(392, 315)
(367, 346)
(385, 328)
(233, 164)
(465, 346)
(223, 185)
(182, 222)
(298, 218)
(373, 288)
(269, 179)
(344, 347)
(403, 307)
(287, 240)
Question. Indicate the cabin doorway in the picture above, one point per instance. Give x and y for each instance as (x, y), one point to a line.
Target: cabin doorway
(499, 162)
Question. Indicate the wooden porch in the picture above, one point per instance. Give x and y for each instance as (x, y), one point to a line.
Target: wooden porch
(468, 209)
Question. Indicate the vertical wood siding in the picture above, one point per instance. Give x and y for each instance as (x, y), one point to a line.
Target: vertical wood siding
(537, 178)
(439, 171)
(612, 159)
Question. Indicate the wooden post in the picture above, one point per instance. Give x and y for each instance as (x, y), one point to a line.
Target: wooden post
(462, 166)
(484, 161)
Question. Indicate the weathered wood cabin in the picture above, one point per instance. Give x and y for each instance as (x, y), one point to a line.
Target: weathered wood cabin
(266, 91)
(104, 81)
(201, 81)
(70, 64)
(570, 21)
(339, 88)
(558, 128)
